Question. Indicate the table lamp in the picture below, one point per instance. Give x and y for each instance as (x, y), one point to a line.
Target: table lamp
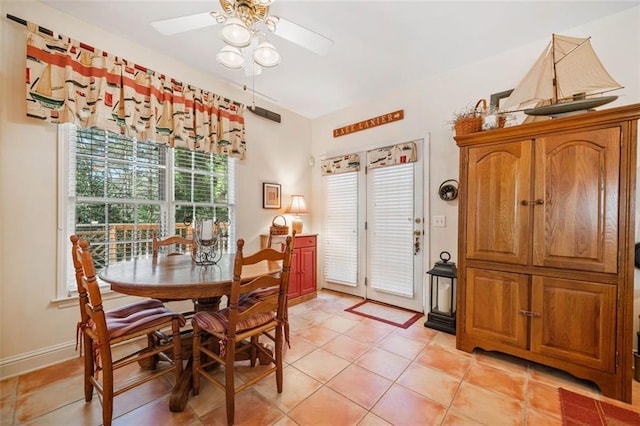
(297, 207)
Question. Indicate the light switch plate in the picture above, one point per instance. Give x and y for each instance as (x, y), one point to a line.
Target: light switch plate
(439, 221)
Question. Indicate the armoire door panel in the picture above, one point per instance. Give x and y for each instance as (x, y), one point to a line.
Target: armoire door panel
(576, 226)
(497, 222)
(494, 302)
(574, 321)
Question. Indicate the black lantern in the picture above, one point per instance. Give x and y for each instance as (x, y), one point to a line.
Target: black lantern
(443, 295)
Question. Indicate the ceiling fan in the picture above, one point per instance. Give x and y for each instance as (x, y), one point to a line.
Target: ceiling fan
(252, 14)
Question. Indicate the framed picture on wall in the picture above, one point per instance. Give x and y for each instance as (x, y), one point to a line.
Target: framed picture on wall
(270, 196)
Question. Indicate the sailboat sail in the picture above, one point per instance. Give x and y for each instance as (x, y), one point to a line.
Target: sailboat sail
(572, 64)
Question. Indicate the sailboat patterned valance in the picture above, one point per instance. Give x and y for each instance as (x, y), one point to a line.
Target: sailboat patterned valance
(392, 155)
(343, 164)
(69, 82)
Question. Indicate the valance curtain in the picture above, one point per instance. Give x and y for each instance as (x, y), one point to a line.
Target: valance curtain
(392, 155)
(69, 82)
(342, 164)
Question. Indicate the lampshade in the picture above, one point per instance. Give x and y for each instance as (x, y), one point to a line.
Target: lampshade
(235, 33)
(230, 57)
(266, 55)
(297, 206)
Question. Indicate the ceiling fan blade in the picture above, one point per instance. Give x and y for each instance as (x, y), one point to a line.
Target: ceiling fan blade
(184, 23)
(304, 37)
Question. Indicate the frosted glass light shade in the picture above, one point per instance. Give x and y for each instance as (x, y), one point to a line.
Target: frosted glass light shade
(235, 33)
(266, 55)
(230, 57)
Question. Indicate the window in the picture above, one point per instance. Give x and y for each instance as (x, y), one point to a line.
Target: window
(115, 191)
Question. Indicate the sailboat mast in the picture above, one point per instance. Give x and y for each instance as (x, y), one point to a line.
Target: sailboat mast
(553, 61)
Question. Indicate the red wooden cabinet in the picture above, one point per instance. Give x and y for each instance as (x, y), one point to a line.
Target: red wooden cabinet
(302, 284)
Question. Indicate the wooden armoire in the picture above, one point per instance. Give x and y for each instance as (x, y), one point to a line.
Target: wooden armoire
(546, 244)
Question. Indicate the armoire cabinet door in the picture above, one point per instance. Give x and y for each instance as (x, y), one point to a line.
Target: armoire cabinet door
(576, 227)
(497, 223)
(574, 321)
(494, 301)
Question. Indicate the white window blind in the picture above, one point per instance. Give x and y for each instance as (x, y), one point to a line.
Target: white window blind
(390, 223)
(341, 229)
(115, 191)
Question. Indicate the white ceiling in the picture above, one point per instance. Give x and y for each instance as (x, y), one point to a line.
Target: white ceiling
(378, 45)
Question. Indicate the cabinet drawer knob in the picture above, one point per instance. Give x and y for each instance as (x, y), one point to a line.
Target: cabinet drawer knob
(532, 203)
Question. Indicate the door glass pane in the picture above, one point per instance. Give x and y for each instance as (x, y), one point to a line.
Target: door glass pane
(341, 229)
(390, 229)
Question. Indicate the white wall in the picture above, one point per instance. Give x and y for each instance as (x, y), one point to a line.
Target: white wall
(28, 172)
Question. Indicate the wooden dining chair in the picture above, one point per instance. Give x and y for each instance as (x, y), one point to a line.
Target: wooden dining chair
(277, 241)
(175, 245)
(237, 328)
(100, 330)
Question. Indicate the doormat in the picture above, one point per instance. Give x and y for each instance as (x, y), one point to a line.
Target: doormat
(378, 311)
(581, 410)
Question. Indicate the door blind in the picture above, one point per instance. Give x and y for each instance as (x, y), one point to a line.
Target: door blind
(390, 223)
(341, 229)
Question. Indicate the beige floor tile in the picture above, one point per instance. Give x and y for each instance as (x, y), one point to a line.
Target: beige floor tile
(429, 382)
(79, 413)
(296, 387)
(418, 332)
(497, 380)
(156, 413)
(317, 334)
(487, 407)
(327, 407)
(400, 345)
(400, 406)
(543, 397)
(384, 363)
(360, 385)
(347, 348)
(8, 388)
(339, 324)
(368, 332)
(299, 348)
(49, 375)
(321, 365)
(250, 409)
(39, 401)
(502, 361)
(535, 418)
(454, 418)
(451, 362)
(372, 420)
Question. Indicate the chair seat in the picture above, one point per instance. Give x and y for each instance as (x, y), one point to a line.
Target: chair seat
(258, 295)
(216, 322)
(138, 316)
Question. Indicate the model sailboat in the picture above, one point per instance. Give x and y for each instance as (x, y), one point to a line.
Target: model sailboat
(564, 80)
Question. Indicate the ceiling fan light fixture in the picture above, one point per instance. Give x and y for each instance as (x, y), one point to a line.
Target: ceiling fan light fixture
(265, 2)
(266, 55)
(235, 33)
(230, 57)
(271, 22)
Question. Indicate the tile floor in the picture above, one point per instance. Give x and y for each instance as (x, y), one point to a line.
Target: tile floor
(342, 369)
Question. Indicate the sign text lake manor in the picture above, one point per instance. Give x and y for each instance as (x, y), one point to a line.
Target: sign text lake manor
(369, 123)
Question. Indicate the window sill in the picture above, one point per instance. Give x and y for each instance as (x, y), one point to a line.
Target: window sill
(72, 301)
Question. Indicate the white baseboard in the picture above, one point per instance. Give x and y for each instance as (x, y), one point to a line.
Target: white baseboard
(35, 360)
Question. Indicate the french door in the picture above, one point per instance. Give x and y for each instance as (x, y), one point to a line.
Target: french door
(373, 229)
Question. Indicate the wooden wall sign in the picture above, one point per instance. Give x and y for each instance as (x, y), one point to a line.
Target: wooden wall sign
(369, 123)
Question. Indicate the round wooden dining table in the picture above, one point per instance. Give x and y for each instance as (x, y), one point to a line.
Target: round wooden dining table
(179, 278)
